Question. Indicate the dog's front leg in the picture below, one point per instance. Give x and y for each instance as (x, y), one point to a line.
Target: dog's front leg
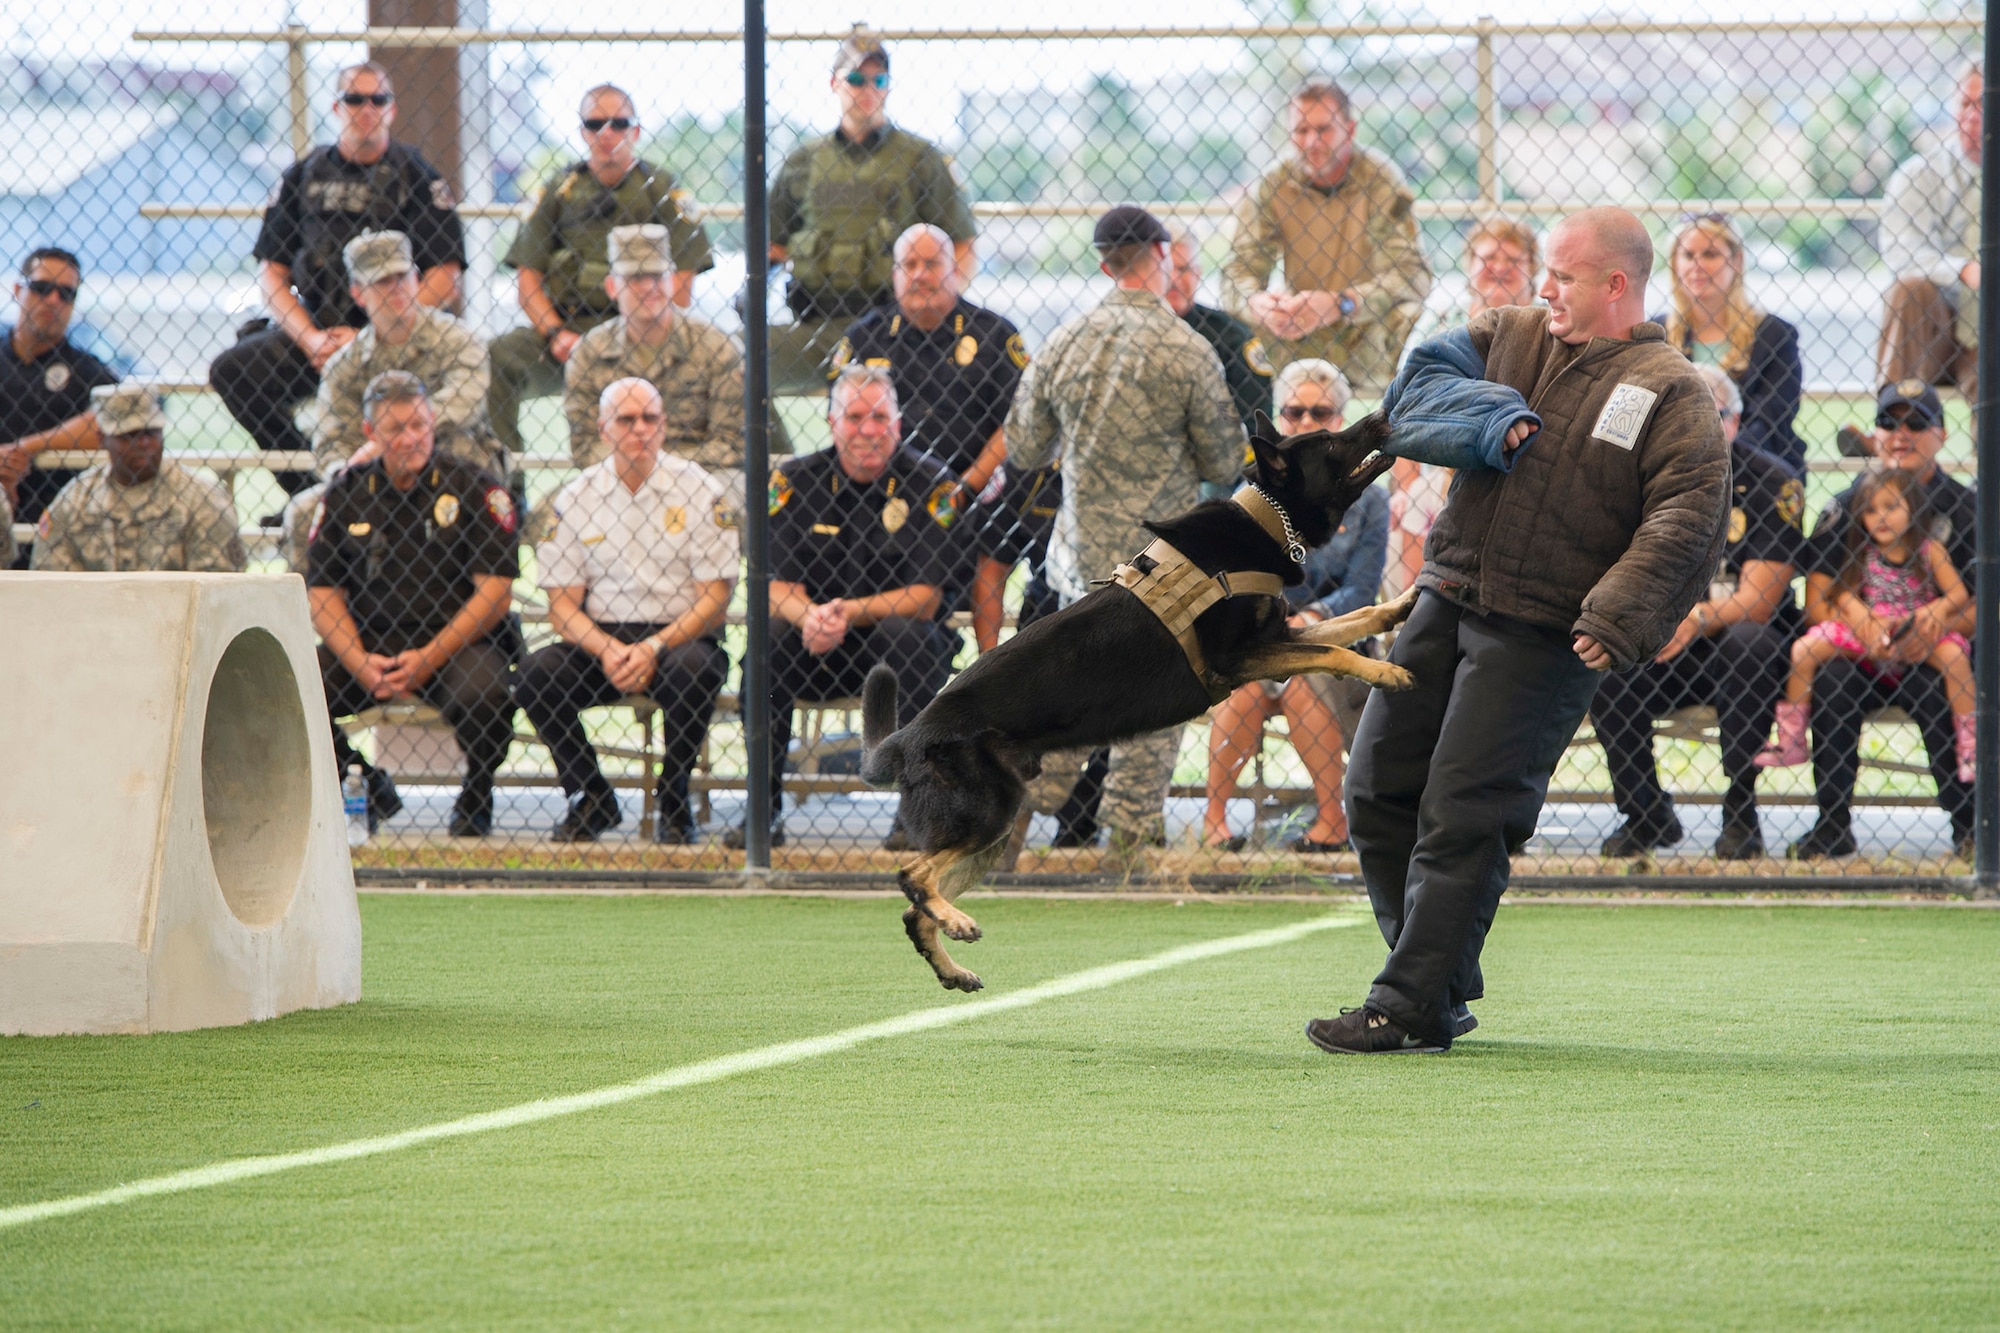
(1280, 660)
(1358, 625)
(929, 911)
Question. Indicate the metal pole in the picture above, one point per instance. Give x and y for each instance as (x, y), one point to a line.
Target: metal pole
(1489, 119)
(1986, 632)
(756, 691)
(295, 76)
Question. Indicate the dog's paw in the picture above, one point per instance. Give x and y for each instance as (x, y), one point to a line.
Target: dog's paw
(965, 981)
(1394, 678)
(1399, 610)
(959, 926)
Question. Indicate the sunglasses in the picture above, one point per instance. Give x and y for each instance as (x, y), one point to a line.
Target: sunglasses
(596, 123)
(366, 99)
(856, 79)
(43, 287)
(1320, 413)
(1913, 422)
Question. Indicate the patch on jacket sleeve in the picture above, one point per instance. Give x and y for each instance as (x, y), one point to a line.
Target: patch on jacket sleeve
(1624, 415)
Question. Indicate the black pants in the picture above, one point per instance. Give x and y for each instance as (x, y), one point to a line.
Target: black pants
(260, 380)
(1842, 694)
(1740, 671)
(1447, 781)
(471, 690)
(561, 680)
(918, 651)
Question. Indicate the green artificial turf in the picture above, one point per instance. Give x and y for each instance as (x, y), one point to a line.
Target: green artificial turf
(1671, 1117)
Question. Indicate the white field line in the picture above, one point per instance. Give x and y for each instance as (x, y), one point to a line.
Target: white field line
(684, 1076)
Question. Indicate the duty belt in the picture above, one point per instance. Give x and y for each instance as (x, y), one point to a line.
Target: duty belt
(1177, 590)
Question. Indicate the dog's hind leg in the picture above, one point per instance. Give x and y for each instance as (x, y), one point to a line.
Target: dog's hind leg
(1358, 625)
(930, 885)
(923, 933)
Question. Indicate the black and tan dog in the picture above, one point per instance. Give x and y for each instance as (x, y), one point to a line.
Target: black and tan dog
(1199, 613)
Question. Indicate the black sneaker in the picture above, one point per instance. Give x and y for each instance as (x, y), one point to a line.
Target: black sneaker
(735, 840)
(590, 813)
(1636, 837)
(1821, 840)
(1741, 840)
(1462, 1021)
(472, 813)
(1365, 1032)
(1075, 835)
(384, 804)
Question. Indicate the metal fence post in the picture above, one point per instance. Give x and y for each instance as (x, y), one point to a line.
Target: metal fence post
(295, 79)
(1489, 119)
(1986, 632)
(755, 698)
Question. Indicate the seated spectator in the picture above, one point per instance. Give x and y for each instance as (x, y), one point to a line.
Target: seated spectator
(1930, 241)
(1909, 432)
(858, 560)
(1337, 221)
(362, 182)
(413, 554)
(1244, 362)
(1729, 651)
(1710, 317)
(45, 383)
(693, 364)
(561, 258)
(638, 571)
(137, 509)
(1341, 576)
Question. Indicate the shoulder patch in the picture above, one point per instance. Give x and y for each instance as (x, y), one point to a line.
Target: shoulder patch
(842, 354)
(441, 195)
(726, 517)
(942, 503)
(1017, 352)
(781, 490)
(684, 204)
(1255, 357)
(501, 506)
(1792, 502)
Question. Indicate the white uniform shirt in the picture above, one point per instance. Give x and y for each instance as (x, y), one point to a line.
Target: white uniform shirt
(639, 556)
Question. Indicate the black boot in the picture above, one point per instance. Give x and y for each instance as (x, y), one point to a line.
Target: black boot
(1641, 834)
(673, 818)
(1076, 820)
(472, 812)
(591, 811)
(1742, 839)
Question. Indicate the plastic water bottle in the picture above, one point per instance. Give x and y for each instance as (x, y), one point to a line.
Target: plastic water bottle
(354, 799)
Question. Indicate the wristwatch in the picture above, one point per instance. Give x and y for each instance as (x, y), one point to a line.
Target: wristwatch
(1348, 305)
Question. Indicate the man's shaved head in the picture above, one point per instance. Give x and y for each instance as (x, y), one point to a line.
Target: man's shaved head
(1617, 239)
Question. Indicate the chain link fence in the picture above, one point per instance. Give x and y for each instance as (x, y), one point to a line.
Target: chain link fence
(528, 570)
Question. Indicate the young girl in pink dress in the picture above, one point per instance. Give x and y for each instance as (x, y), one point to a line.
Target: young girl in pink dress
(1894, 571)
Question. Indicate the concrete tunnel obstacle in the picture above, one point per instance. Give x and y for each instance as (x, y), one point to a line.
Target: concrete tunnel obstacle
(173, 853)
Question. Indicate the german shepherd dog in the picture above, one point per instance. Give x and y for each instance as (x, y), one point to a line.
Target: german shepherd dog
(1107, 668)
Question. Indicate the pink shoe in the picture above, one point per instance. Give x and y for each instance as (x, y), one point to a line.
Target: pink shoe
(1966, 747)
(1789, 750)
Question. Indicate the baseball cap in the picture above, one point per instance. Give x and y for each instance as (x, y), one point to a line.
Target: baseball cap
(375, 255)
(125, 408)
(1129, 224)
(1920, 398)
(860, 47)
(640, 249)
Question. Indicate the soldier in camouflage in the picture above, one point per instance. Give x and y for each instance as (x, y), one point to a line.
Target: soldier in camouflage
(1137, 402)
(1338, 218)
(837, 207)
(562, 260)
(137, 510)
(693, 364)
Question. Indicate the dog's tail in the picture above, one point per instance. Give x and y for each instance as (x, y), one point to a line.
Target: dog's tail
(881, 755)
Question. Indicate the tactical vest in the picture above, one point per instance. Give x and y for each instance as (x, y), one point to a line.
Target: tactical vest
(855, 207)
(582, 261)
(326, 225)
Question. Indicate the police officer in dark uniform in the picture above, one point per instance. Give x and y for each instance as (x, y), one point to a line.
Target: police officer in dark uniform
(361, 183)
(409, 574)
(955, 366)
(562, 254)
(1731, 651)
(1236, 345)
(858, 561)
(45, 384)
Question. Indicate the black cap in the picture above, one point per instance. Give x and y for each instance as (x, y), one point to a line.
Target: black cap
(1129, 224)
(1925, 413)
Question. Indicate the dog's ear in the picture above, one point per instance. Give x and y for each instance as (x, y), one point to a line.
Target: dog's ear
(1267, 456)
(1262, 427)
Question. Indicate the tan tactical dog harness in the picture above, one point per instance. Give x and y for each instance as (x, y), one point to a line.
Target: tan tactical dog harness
(1176, 589)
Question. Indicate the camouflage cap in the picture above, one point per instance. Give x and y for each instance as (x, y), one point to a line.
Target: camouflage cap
(375, 255)
(860, 47)
(123, 409)
(640, 249)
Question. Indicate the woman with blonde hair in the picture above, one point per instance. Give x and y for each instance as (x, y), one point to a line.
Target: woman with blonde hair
(1341, 576)
(1712, 319)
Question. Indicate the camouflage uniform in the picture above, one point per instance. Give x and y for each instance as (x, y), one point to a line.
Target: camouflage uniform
(176, 521)
(1135, 402)
(442, 352)
(698, 372)
(1359, 236)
